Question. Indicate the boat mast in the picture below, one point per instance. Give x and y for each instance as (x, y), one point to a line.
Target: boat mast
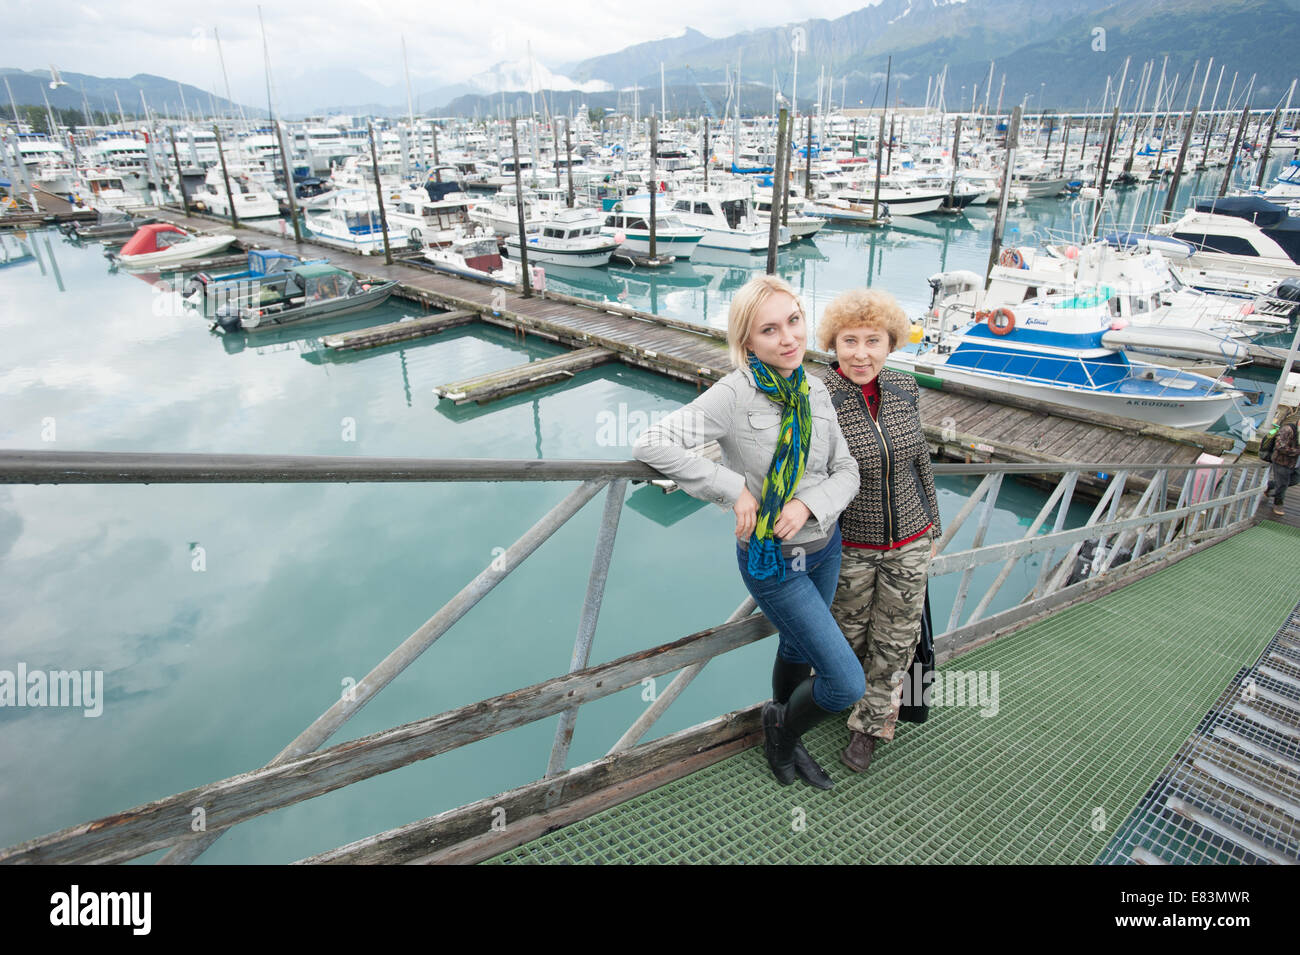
(410, 110)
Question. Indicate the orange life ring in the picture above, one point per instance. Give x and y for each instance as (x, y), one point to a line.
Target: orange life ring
(998, 328)
(1011, 259)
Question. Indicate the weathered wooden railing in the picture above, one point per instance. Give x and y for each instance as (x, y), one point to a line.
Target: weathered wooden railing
(1207, 509)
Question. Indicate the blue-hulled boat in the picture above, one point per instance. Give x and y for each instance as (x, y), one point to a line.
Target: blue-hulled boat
(1050, 349)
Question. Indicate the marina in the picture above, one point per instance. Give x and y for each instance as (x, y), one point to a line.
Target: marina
(289, 401)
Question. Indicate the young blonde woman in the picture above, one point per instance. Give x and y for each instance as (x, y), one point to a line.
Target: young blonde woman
(786, 474)
(891, 526)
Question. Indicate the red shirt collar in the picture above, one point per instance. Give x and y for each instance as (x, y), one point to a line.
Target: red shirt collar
(870, 391)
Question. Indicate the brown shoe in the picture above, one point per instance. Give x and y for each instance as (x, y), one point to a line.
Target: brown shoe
(857, 756)
(1279, 512)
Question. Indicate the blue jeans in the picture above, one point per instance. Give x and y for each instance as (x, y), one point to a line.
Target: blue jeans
(800, 608)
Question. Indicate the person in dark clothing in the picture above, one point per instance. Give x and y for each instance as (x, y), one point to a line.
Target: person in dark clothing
(1286, 455)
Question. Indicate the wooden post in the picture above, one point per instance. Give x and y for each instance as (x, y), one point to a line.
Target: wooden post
(568, 154)
(1105, 164)
(379, 194)
(1268, 147)
(1000, 221)
(654, 177)
(807, 166)
(706, 154)
(234, 216)
(956, 146)
(519, 208)
(288, 183)
(1083, 148)
(889, 161)
(880, 143)
(437, 173)
(1051, 128)
(1160, 155)
(1065, 147)
(1205, 150)
(778, 189)
(180, 177)
(785, 168)
(1182, 156)
(1236, 144)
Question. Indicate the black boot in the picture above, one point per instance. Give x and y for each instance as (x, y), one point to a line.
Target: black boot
(785, 677)
(782, 728)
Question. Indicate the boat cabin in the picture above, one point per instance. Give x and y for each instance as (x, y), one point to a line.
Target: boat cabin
(319, 283)
(731, 211)
(481, 254)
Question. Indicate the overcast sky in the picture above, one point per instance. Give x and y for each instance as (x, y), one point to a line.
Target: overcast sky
(446, 42)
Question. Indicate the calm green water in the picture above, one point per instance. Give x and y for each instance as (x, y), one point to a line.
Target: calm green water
(210, 666)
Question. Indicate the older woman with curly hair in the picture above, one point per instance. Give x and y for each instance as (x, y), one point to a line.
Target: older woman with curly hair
(891, 527)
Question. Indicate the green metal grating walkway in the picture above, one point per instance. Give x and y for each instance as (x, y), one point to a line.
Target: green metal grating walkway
(1092, 704)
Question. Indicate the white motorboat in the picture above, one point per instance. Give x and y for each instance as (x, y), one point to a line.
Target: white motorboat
(427, 221)
(1139, 287)
(1240, 232)
(102, 188)
(801, 223)
(727, 218)
(163, 244)
(571, 237)
(251, 200)
(476, 256)
(501, 213)
(352, 221)
(1051, 349)
(902, 201)
(632, 231)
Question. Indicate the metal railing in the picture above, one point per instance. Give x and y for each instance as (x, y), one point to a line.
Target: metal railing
(1209, 506)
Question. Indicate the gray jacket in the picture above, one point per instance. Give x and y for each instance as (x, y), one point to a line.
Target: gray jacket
(744, 422)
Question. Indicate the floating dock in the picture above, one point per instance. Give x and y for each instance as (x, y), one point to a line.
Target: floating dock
(511, 381)
(54, 210)
(403, 331)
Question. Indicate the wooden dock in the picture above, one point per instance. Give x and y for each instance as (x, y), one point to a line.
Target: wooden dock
(961, 423)
(403, 331)
(54, 210)
(511, 381)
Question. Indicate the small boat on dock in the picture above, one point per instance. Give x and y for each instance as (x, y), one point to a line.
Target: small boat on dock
(310, 293)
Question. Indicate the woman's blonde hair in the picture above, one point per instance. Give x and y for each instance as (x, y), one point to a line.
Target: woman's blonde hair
(863, 308)
(745, 305)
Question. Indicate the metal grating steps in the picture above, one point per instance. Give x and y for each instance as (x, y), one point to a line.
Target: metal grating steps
(1232, 793)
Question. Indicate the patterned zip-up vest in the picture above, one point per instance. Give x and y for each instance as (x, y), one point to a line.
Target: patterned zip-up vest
(896, 497)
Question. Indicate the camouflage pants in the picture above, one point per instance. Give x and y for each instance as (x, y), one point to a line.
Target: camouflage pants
(878, 605)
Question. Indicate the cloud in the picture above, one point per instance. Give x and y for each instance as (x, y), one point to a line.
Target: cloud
(444, 46)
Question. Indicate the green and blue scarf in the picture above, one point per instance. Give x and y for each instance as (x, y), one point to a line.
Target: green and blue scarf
(786, 469)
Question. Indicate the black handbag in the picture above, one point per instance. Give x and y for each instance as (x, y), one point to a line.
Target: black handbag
(920, 674)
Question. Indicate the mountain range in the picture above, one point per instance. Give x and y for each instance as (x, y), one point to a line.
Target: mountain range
(1042, 54)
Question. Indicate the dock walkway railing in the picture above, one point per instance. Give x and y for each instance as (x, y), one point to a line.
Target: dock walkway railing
(1210, 502)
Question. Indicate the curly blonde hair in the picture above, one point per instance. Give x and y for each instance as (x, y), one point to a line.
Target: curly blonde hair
(745, 305)
(863, 308)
